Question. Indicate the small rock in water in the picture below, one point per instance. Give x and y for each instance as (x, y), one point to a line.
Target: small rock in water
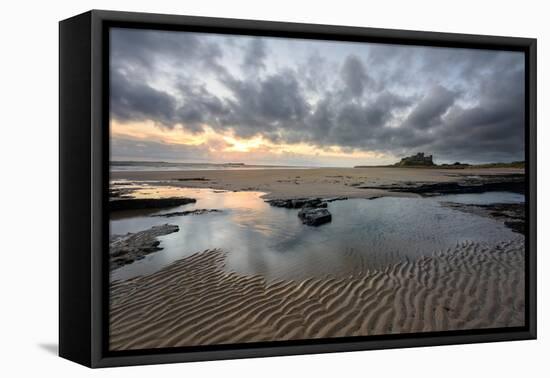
(314, 216)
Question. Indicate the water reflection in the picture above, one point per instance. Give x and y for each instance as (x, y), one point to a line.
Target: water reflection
(364, 234)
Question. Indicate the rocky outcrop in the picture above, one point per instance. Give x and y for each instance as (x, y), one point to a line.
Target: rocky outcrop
(148, 203)
(189, 212)
(313, 210)
(125, 249)
(491, 183)
(118, 193)
(332, 199)
(314, 216)
(296, 203)
(511, 214)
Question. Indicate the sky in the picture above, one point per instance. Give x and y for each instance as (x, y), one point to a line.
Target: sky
(197, 97)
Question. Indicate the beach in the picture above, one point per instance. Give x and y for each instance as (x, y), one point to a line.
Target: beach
(196, 302)
(311, 182)
(236, 263)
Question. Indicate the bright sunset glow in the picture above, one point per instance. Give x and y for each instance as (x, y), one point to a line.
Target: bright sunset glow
(227, 146)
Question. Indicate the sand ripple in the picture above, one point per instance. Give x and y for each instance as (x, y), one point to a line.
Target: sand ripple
(195, 301)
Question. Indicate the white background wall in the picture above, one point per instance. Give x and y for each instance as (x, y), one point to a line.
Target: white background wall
(28, 154)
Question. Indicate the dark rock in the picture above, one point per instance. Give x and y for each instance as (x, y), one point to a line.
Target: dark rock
(280, 203)
(314, 216)
(516, 226)
(296, 203)
(192, 179)
(125, 249)
(115, 192)
(316, 205)
(313, 210)
(511, 214)
(490, 183)
(332, 199)
(188, 212)
(306, 202)
(148, 203)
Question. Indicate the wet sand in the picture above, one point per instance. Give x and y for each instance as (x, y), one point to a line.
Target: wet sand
(318, 182)
(195, 301)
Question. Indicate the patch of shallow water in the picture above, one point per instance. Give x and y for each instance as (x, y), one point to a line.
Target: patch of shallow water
(260, 239)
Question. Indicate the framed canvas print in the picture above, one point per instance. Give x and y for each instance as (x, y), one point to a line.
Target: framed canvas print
(234, 188)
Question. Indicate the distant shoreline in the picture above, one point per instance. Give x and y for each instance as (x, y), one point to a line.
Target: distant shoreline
(514, 164)
(280, 183)
(122, 166)
(129, 165)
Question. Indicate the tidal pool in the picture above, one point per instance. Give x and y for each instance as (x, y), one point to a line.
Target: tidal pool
(261, 239)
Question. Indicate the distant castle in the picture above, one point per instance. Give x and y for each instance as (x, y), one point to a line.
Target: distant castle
(418, 159)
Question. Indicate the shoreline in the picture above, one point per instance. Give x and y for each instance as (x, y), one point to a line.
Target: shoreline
(195, 301)
(315, 182)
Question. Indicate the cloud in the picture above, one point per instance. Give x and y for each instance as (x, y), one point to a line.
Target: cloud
(144, 50)
(274, 103)
(354, 76)
(460, 104)
(255, 53)
(130, 149)
(199, 107)
(132, 100)
(431, 108)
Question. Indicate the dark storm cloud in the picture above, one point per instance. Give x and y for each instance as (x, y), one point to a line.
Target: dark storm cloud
(254, 56)
(265, 106)
(363, 125)
(198, 107)
(135, 56)
(133, 100)
(314, 73)
(431, 108)
(133, 49)
(493, 129)
(458, 104)
(354, 76)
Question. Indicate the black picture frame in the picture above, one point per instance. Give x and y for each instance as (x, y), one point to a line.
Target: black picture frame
(84, 175)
